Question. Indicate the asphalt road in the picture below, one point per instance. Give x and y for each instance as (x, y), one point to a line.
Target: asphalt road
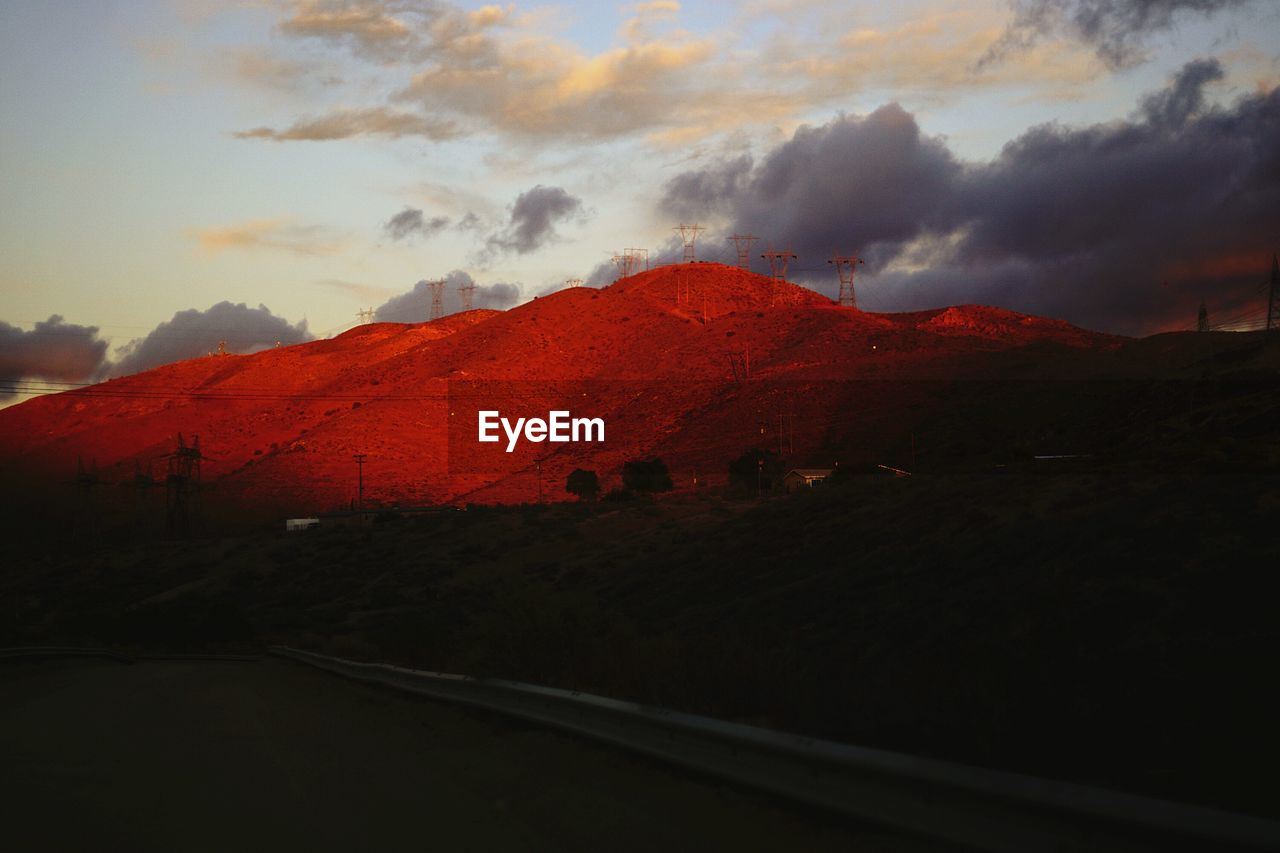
(270, 755)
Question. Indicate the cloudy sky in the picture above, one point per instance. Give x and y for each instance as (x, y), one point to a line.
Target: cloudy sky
(173, 172)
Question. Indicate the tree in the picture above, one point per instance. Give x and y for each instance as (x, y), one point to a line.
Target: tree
(756, 470)
(646, 475)
(584, 484)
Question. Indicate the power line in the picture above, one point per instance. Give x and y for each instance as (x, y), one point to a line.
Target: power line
(161, 393)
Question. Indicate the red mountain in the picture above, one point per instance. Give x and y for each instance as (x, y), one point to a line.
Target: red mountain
(692, 363)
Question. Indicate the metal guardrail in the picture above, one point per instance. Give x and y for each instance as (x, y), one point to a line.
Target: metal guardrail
(21, 653)
(46, 652)
(986, 809)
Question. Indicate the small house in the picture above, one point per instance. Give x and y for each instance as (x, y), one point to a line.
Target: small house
(804, 478)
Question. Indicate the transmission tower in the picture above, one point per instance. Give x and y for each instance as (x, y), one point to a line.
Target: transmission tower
(778, 262)
(742, 242)
(637, 254)
(364, 315)
(1273, 298)
(467, 292)
(689, 236)
(184, 477)
(437, 298)
(1202, 322)
(845, 267)
(626, 263)
(573, 282)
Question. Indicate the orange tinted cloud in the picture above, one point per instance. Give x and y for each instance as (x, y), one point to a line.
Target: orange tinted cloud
(278, 234)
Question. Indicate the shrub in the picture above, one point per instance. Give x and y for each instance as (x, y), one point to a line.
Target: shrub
(646, 476)
(756, 470)
(584, 484)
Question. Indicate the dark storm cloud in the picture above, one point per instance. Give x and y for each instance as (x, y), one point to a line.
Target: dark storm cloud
(53, 349)
(694, 195)
(411, 222)
(1089, 224)
(1184, 98)
(193, 333)
(869, 183)
(605, 273)
(534, 217)
(415, 305)
(1116, 29)
(1107, 214)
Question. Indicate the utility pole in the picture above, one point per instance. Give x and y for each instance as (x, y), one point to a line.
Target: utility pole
(786, 433)
(1202, 322)
(742, 242)
(360, 457)
(184, 476)
(689, 236)
(142, 483)
(87, 480)
(437, 298)
(467, 292)
(845, 268)
(740, 364)
(1273, 297)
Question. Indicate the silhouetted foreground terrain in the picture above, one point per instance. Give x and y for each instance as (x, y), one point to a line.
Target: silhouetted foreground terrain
(1113, 626)
(1107, 618)
(182, 755)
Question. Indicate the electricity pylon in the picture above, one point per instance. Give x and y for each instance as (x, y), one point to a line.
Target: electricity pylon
(626, 263)
(689, 236)
(845, 267)
(742, 242)
(437, 298)
(467, 292)
(778, 261)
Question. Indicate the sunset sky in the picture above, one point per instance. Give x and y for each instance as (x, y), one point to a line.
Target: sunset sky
(1110, 162)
